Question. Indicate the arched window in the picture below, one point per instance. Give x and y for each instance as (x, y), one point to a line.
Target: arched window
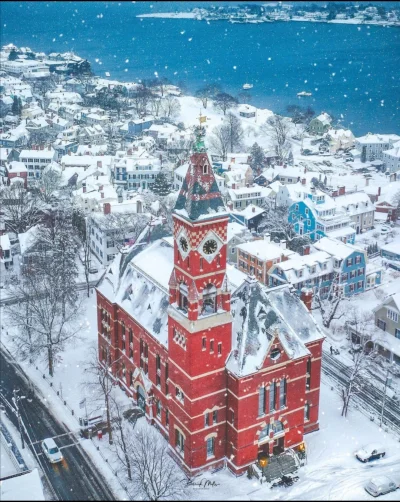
(183, 297)
(209, 299)
(264, 433)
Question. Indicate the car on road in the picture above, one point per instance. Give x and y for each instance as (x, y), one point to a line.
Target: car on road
(93, 270)
(370, 452)
(381, 485)
(51, 451)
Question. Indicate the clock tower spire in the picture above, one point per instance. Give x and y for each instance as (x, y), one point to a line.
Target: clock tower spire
(199, 323)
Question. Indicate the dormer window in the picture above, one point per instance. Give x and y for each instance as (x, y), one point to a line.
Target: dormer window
(299, 273)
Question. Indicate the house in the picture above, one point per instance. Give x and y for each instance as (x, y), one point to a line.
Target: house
(18, 170)
(391, 254)
(94, 192)
(359, 208)
(250, 216)
(258, 256)
(64, 147)
(237, 175)
(5, 251)
(36, 160)
(386, 340)
(321, 124)
(226, 374)
(247, 111)
(318, 215)
(371, 146)
(240, 198)
(137, 171)
(385, 211)
(15, 138)
(340, 139)
(391, 158)
(137, 126)
(237, 234)
(179, 176)
(32, 248)
(8, 155)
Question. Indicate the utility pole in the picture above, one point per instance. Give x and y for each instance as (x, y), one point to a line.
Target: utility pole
(388, 381)
(16, 400)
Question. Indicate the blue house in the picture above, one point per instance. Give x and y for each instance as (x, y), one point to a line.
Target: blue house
(137, 126)
(391, 253)
(334, 262)
(318, 216)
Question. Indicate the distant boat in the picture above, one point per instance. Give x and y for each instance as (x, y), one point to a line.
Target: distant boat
(107, 74)
(247, 86)
(304, 93)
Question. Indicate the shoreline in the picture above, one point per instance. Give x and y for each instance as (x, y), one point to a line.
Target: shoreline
(191, 15)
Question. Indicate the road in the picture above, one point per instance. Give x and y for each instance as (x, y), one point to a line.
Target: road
(75, 478)
(371, 396)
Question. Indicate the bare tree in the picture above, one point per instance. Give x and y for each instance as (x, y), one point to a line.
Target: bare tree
(141, 99)
(48, 184)
(278, 129)
(156, 105)
(82, 234)
(155, 476)
(46, 323)
(235, 131)
(219, 140)
(170, 107)
(207, 92)
(362, 324)
(121, 435)
(330, 304)
(357, 381)
(100, 369)
(21, 209)
(124, 227)
(224, 101)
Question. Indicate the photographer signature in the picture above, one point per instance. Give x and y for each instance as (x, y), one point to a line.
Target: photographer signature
(203, 483)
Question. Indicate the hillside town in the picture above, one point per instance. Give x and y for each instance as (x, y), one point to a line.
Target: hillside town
(221, 278)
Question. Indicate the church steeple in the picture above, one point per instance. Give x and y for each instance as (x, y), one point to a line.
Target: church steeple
(199, 197)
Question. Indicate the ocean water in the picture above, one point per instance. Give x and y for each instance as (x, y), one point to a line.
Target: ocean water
(352, 71)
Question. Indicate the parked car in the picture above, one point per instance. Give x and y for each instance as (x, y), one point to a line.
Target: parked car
(349, 159)
(385, 229)
(307, 151)
(51, 451)
(370, 452)
(381, 485)
(93, 270)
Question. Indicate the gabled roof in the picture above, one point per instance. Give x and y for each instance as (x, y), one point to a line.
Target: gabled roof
(259, 317)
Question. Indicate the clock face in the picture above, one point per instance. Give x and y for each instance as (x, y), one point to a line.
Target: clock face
(184, 244)
(210, 246)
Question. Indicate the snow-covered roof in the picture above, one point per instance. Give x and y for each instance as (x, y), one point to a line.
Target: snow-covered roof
(342, 232)
(395, 151)
(37, 154)
(17, 167)
(28, 239)
(377, 138)
(234, 228)
(263, 317)
(28, 486)
(337, 248)
(5, 242)
(251, 211)
(234, 193)
(265, 250)
(324, 118)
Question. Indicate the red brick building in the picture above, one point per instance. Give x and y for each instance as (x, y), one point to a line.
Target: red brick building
(224, 372)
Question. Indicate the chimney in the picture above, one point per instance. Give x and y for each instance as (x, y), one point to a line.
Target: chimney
(282, 244)
(342, 190)
(305, 169)
(334, 193)
(84, 188)
(267, 237)
(253, 209)
(303, 181)
(102, 195)
(379, 192)
(366, 182)
(107, 208)
(101, 187)
(305, 250)
(99, 163)
(69, 152)
(229, 168)
(306, 297)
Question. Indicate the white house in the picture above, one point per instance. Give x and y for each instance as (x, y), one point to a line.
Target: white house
(359, 208)
(340, 139)
(137, 171)
(391, 158)
(243, 197)
(36, 161)
(371, 146)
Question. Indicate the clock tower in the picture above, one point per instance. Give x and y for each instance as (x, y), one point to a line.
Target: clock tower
(199, 322)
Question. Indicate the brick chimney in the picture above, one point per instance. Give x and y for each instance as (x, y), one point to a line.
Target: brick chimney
(101, 187)
(305, 250)
(102, 195)
(342, 190)
(99, 163)
(303, 181)
(253, 209)
(306, 297)
(84, 188)
(107, 208)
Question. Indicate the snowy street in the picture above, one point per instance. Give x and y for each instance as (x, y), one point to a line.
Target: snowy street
(75, 478)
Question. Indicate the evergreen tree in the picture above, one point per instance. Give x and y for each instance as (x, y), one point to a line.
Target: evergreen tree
(290, 158)
(13, 55)
(15, 110)
(257, 157)
(162, 186)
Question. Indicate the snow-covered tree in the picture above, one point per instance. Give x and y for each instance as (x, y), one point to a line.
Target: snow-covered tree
(330, 304)
(235, 132)
(21, 209)
(48, 184)
(82, 235)
(278, 129)
(257, 158)
(155, 475)
(120, 225)
(224, 101)
(170, 107)
(162, 185)
(207, 93)
(100, 369)
(46, 323)
(219, 140)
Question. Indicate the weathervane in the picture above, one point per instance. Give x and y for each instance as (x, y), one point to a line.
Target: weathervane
(200, 133)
